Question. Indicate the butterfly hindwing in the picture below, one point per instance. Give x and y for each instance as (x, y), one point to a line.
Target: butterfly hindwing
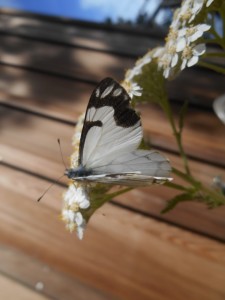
(148, 163)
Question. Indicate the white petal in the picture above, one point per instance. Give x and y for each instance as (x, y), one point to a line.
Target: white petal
(80, 232)
(195, 36)
(199, 49)
(197, 6)
(159, 51)
(183, 65)
(137, 93)
(78, 218)
(182, 32)
(174, 60)
(209, 2)
(84, 204)
(204, 27)
(166, 72)
(192, 61)
(68, 215)
(181, 43)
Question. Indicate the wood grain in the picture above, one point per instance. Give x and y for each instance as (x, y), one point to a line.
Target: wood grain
(9, 289)
(197, 86)
(66, 61)
(30, 272)
(139, 258)
(130, 251)
(30, 142)
(96, 39)
(203, 131)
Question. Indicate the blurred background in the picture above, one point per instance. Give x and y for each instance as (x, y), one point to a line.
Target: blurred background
(142, 12)
(52, 55)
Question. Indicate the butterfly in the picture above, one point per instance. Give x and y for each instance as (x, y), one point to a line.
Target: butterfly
(109, 144)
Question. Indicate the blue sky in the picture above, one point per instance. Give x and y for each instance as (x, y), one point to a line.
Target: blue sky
(93, 10)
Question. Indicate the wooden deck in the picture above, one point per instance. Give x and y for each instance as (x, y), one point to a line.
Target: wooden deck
(48, 68)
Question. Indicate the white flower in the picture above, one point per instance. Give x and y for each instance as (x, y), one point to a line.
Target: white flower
(190, 55)
(74, 221)
(130, 74)
(68, 215)
(80, 230)
(159, 51)
(77, 195)
(132, 88)
(188, 35)
(188, 12)
(168, 60)
(135, 90)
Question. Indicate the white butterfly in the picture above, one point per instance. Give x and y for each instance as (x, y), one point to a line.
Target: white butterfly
(110, 138)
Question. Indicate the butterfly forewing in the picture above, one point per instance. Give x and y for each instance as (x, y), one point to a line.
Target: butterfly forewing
(110, 128)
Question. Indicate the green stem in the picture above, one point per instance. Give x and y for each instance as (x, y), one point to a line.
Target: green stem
(188, 178)
(211, 66)
(212, 54)
(218, 198)
(207, 195)
(175, 186)
(167, 109)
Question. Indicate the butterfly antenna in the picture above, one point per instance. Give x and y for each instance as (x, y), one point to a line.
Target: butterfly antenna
(60, 148)
(50, 186)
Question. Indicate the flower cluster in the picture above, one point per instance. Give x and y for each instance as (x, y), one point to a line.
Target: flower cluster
(132, 88)
(76, 199)
(182, 48)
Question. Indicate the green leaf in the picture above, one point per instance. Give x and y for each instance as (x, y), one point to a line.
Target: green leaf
(183, 112)
(177, 199)
(152, 82)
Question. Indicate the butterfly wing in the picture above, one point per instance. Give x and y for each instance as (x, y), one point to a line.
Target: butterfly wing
(110, 137)
(148, 163)
(111, 127)
(137, 168)
(125, 179)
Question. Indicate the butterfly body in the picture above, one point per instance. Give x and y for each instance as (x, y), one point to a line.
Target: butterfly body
(109, 144)
(79, 172)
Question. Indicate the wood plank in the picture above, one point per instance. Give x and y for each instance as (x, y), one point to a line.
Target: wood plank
(29, 142)
(73, 62)
(77, 35)
(34, 273)
(129, 266)
(203, 133)
(11, 289)
(197, 85)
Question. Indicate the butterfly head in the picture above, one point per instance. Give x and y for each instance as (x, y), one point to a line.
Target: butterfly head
(77, 172)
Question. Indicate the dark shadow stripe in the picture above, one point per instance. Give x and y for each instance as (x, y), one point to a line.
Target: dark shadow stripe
(122, 206)
(50, 73)
(36, 113)
(25, 284)
(33, 174)
(123, 54)
(172, 223)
